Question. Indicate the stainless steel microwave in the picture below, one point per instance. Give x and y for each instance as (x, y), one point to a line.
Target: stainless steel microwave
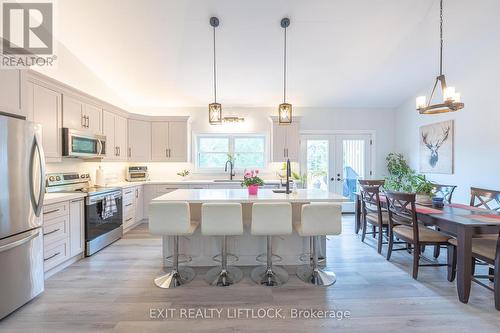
(83, 145)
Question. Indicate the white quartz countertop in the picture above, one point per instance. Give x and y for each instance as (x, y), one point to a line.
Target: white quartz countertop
(241, 195)
(184, 182)
(51, 198)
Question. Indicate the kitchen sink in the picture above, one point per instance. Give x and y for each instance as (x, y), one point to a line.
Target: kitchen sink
(227, 180)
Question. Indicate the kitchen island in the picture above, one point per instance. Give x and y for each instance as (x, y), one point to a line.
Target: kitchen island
(246, 247)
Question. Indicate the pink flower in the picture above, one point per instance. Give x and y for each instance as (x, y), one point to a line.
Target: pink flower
(256, 172)
(247, 174)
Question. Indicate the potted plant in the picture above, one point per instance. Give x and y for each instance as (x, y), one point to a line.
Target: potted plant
(184, 174)
(402, 178)
(252, 181)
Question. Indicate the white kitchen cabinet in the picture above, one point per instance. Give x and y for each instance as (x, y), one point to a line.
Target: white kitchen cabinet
(139, 140)
(139, 203)
(159, 141)
(133, 206)
(44, 105)
(169, 141)
(115, 130)
(10, 91)
(286, 142)
(76, 227)
(63, 234)
(121, 137)
(81, 116)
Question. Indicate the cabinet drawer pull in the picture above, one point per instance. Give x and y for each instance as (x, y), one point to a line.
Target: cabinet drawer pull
(130, 218)
(52, 256)
(128, 192)
(127, 205)
(51, 211)
(51, 232)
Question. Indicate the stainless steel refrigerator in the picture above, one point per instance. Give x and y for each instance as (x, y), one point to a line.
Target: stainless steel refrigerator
(22, 188)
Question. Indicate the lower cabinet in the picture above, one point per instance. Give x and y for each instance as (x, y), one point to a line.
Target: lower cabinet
(133, 207)
(63, 232)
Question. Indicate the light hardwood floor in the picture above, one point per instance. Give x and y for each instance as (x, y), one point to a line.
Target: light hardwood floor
(113, 291)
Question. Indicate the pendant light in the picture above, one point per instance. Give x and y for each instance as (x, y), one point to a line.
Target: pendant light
(451, 99)
(215, 109)
(285, 109)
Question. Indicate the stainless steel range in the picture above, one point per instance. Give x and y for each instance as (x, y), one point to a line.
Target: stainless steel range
(103, 225)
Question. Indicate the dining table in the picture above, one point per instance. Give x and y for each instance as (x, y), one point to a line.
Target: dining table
(458, 220)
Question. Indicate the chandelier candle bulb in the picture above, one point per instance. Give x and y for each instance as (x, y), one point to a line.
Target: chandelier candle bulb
(449, 94)
(421, 102)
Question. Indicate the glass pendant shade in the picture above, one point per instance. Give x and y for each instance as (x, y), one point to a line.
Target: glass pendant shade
(215, 113)
(285, 113)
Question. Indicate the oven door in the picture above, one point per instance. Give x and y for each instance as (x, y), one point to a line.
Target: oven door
(84, 145)
(95, 225)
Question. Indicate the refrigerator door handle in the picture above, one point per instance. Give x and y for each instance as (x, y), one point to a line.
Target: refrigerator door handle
(33, 234)
(37, 148)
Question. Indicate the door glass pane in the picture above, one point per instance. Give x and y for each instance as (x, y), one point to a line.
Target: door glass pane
(317, 164)
(353, 156)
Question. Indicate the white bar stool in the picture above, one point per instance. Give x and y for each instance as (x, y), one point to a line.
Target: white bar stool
(172, 219)
(318, 219)
(222, 219)
(271, 219)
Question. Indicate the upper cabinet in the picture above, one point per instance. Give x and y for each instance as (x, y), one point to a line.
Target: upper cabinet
(10, 91)
(114, 127)
(169, 141)
(286, 141)
(80, 115)
(139, 140)
(44, 106)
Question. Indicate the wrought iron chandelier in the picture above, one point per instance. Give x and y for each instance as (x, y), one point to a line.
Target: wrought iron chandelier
(285, 109)
(451, 99)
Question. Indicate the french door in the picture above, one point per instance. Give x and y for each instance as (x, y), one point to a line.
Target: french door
(335, 162)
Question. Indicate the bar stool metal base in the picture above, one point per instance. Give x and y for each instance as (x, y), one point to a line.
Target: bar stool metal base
(220, 277)
(271, 277)
(175, 278)
(317, 276)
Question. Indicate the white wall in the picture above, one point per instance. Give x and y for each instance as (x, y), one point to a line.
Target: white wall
(477, 126)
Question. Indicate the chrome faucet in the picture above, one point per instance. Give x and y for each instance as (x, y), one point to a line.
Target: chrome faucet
(231, 169)
(288, 175)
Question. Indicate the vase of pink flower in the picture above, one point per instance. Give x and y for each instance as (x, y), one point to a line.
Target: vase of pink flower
(252, 181)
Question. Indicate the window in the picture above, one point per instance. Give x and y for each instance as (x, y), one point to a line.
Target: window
(249, 151)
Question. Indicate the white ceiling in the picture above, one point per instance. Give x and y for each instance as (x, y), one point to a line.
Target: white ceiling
(342, 53)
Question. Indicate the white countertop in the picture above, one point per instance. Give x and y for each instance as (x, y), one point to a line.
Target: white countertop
(241, 195)
(51, 198)
(183, 182)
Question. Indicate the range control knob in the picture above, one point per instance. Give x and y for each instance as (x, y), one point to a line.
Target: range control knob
(58, 178)
(82, 176)
(51, 178)
(87, 176)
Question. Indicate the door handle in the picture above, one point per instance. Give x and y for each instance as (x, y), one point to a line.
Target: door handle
(37, 148)
(88, 121)
(119, 151)
(51, 232)
(82, 120)
(129, 152)
(19, 242)
(166, 152)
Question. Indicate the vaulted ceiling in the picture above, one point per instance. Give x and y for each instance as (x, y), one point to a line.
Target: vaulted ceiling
(342, 53)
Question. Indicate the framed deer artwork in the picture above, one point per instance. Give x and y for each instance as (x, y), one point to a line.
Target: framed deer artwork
(436, 148)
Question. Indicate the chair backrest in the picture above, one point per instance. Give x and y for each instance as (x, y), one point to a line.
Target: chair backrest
(271, 218)
(169, 218)
(401, 209)
(221, 219)
(489, 199)
(443, 191)
(372, 182)
(321, 219)
(370, 200)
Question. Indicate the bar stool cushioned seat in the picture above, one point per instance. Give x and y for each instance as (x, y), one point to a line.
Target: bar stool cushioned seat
(172, 219)
(269, 219)
(222, 219)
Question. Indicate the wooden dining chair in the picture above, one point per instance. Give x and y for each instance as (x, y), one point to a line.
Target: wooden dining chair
(372, 182)
(403, 224)
(445, 192)
(373, 214)
(486, 250)
(483, 198)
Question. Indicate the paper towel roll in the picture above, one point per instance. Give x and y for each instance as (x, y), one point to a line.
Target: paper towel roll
(99, 177)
